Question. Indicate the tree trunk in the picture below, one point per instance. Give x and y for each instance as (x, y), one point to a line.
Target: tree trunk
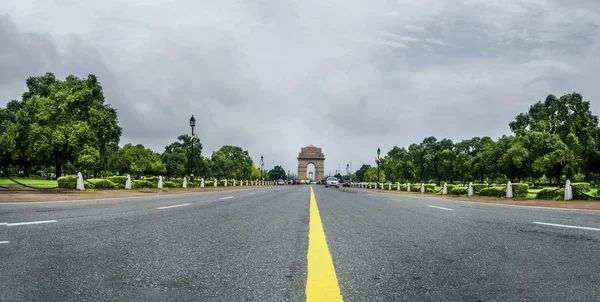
(58, 170)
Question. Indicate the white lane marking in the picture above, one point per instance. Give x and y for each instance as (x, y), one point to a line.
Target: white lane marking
(228, 197)
(250, 193)
(1, 242)
(264, 191)
(3, 223)
(567, 226)
(441, 208)
(174, 206)
(30, 222)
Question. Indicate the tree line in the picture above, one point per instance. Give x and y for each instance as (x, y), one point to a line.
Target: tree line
(555, 140)
(66, 126)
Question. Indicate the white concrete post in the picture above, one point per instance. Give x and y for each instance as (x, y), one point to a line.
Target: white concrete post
(568, 191)
(422, 188)
(408, 187)
(184, 184)
(202, 182)
(470, 193)
(160, 184)
(128, 182)
(509, 190)
(445, 191)
(80, 185)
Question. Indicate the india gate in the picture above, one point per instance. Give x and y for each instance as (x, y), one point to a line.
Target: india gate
(311, 155)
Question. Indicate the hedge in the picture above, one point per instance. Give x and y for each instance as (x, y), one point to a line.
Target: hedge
(520, 190)
(169, 184)
(415, 187)
(459, 191)
(118, 180)
(551, 194)
(67, 182)
(581, 187)
(450, 187)
(101, 183)
(493, 192)
(429, 188)
(209, 183)
(142, 184)
(478, 187)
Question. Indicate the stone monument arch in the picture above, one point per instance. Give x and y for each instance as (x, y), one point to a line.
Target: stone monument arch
(311, 155)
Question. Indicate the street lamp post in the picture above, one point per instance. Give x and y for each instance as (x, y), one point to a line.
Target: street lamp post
(262, 162)
(348, 171)
(378, 160)
(192, 124)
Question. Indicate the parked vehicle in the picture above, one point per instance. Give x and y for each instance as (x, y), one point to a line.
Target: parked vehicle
(332, 182)
(280, 182)
(346, 183)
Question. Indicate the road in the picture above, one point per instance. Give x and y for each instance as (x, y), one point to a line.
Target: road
(252, 245)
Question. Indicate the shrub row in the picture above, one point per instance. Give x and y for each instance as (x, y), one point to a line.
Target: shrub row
(118, 182)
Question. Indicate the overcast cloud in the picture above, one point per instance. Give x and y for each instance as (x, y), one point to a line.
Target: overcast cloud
(274, 76)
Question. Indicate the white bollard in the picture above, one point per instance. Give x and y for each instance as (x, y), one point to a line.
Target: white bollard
(80, 185)
(160, 184)
(202, 182)
(470, 193)
(445, 191)
(398, 188)
(128, 182)
(184, 184)
(225, 183)
(408, 187)
(390, 186)
(215, 182)
(234, 182)
(509, 190)
(422, 188)
(568, 190)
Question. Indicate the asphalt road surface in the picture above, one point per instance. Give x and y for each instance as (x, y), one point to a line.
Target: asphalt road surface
(253, 245)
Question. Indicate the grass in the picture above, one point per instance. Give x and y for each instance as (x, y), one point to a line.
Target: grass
(31, 181)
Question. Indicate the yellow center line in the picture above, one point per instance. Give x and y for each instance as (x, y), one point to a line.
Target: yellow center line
(321, 281)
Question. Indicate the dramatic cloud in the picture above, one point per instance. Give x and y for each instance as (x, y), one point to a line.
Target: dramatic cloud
(275, 76)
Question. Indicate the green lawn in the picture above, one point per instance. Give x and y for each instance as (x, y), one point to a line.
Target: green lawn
(31, 181)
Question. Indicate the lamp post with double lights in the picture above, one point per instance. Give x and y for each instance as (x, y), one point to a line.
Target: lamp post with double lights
(192, 124)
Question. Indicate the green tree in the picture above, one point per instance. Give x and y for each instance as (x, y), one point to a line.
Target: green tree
(371, 175)
(278, 172)
(179, 159)
(360, 173)
(66, 121)
(232, 162)
(570, 118)
(138, 160)
(551, 155)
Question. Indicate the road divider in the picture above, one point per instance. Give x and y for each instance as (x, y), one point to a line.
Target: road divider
(321, 279)
(174, 206)
(30, 222)
(441, 208)
(567, 226)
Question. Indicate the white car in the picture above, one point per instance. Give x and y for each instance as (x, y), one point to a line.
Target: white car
(332, 182)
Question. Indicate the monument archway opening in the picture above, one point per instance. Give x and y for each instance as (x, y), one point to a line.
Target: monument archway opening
(310, 171)
(311, 155)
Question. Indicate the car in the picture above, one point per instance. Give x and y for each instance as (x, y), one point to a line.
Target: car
(280, 182)
(346, 183)
(332, 182)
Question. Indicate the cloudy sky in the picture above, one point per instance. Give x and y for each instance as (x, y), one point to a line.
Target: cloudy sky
(274, 76)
